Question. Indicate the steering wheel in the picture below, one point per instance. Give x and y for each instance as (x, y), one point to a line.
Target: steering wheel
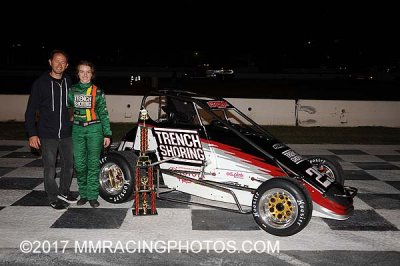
(219, 124)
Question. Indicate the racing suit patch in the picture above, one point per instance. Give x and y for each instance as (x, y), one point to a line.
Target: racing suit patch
(83, 101)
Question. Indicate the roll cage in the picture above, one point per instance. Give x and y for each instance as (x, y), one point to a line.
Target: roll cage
(180, 106)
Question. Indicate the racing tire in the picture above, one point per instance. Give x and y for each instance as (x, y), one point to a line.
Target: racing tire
(330, 167)
(281, 206)
(117, 176)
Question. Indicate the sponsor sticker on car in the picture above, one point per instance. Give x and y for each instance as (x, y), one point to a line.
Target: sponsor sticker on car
(185, 145)
(217, 104)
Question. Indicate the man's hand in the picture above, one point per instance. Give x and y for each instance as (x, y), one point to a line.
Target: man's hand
(106, 142)
(34, 142)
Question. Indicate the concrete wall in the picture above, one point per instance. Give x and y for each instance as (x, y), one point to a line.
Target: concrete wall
(267, 111)
(348, 113)
(124, 108)
(12, 107)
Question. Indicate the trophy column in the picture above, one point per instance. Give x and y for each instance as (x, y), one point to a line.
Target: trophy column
(145, 192)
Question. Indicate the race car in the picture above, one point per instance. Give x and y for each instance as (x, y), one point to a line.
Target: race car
(206, 147)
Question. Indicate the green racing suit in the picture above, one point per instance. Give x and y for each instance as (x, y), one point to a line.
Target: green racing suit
(91, 125)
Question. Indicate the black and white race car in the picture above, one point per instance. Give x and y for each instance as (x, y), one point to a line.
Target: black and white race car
(206, 147)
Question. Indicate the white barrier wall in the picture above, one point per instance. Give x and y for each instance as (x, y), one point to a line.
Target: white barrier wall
(125, 109)
(267, 111)
(12, 107)
(121, 108)
(348, 113)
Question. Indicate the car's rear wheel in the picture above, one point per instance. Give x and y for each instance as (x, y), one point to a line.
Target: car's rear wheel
(117, 177)
(281, 206)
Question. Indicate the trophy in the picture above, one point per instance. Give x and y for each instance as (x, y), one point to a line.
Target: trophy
(145, 192)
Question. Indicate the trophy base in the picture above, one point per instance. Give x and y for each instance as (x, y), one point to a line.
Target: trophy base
(141, 212)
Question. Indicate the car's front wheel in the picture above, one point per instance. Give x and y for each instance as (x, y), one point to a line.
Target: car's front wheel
(281, 206)
(329, 167)
(117, 177)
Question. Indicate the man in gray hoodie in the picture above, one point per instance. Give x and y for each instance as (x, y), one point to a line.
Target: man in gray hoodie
(51, 133)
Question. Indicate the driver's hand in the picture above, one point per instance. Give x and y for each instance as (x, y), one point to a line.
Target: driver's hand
(106, 142)
(34, 142)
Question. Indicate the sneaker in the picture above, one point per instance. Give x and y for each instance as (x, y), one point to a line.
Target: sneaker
(94, 203)
(68, 199)
(58, 205)
(81, 201)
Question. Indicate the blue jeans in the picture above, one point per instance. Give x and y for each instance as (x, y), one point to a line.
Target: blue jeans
(49, 148)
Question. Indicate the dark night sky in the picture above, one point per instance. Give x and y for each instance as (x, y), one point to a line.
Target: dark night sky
(288, 34)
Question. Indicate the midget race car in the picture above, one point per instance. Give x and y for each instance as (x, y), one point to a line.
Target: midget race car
(206, 147)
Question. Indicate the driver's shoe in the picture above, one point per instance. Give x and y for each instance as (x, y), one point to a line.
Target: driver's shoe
(94, 203)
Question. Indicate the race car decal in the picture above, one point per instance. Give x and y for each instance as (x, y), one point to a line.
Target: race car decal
(278, 146)
(247, 158)
(184, 145)
(217, 104)
(293, 156)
